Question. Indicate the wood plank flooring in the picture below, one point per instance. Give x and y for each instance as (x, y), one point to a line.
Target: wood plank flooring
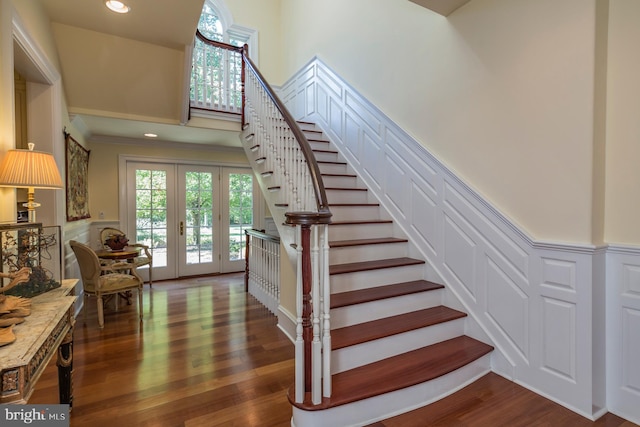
(207, 354)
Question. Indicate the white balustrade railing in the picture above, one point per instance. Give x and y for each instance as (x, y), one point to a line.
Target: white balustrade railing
(262, 275)
(216, 76)
(277, 146)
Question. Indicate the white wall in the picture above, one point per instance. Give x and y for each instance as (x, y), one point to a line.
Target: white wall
(501, 91)
(264, 16)
(623, 126)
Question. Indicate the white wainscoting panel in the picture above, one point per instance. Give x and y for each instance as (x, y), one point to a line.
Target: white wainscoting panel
(534, 300)
(623, 332)
(80, 232)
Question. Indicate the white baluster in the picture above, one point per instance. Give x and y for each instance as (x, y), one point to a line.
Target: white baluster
(326, 304)
(316, 391)
(299, 345)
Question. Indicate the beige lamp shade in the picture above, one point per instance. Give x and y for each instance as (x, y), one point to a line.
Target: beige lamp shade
(29, 169)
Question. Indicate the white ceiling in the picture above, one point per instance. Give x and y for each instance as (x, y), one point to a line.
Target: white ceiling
(167, 23)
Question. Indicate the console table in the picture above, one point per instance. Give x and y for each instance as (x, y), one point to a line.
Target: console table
(48, 330)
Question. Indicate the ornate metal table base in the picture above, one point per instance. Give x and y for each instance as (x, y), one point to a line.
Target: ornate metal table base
(44, 333)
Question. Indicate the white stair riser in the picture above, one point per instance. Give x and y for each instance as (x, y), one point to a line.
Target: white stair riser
(319, 145)
(340, 181)
(306, 127)
(332, 168)
(367, 252)
(368, 279)
(347, 196)
(378, 408)
(354, 213)
(373, 351)
(373, 310)
(360, 231)
(326, 157)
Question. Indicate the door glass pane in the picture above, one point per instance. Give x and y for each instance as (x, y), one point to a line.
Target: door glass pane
(199, 217)
(151, 213)
(240, 212)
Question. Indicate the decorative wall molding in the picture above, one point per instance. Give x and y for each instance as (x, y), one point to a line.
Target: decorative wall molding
(541, 303)
(79, 231)
(623, 331)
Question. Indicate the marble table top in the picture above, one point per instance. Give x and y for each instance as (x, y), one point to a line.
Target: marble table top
(46, 312)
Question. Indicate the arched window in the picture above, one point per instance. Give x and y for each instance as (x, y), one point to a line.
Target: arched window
(216, 72)
(210, 24)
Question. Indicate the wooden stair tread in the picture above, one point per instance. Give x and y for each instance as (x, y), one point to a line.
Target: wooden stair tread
(347, 175)
(398, 372)
(325, 151)
(362, 242)
(360, 296)
(355, 204)
(346, 189)
(372, 265)
(331, 163)
(361, 222)
(393, 325)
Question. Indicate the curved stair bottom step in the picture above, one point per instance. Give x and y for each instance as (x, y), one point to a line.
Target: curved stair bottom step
(377, 408)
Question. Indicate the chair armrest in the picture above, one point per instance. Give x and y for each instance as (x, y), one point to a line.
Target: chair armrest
(144, 247)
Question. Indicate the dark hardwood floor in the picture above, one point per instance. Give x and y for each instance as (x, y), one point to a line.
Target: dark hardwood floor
(207, 354)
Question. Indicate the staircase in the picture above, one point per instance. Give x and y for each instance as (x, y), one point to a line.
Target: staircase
(394, 345)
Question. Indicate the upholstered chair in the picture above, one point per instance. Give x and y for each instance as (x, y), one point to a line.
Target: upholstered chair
(99, 280)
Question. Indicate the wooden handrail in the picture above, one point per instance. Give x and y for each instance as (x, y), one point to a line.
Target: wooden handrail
(262, 235)
(324, 216)
(314, 170)
(216, 43)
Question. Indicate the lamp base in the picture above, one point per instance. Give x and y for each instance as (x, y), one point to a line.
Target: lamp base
(31, 205)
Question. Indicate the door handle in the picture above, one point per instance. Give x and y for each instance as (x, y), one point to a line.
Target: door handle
(181, 228)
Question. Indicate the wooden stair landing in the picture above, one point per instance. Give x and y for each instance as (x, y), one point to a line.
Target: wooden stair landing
(398, 372)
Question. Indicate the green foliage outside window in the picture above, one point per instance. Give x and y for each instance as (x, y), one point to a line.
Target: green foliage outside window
(151, 208)
(216, 73)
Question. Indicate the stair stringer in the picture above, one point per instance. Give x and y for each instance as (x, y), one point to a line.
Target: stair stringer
(532, 299)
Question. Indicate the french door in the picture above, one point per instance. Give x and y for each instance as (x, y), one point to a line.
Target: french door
(192, 216)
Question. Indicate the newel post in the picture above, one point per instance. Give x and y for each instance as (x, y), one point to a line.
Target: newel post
(307, 325)
(308, 383)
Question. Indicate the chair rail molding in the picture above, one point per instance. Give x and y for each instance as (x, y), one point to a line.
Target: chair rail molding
(542, 304)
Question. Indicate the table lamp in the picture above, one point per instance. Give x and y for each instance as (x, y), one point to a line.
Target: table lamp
(29, 169)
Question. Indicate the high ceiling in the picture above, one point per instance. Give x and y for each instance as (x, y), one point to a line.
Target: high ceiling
(166, 23)
(169, 23)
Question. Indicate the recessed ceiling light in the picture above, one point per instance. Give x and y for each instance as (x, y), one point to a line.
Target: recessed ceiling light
(150, 135)
(117, 6)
